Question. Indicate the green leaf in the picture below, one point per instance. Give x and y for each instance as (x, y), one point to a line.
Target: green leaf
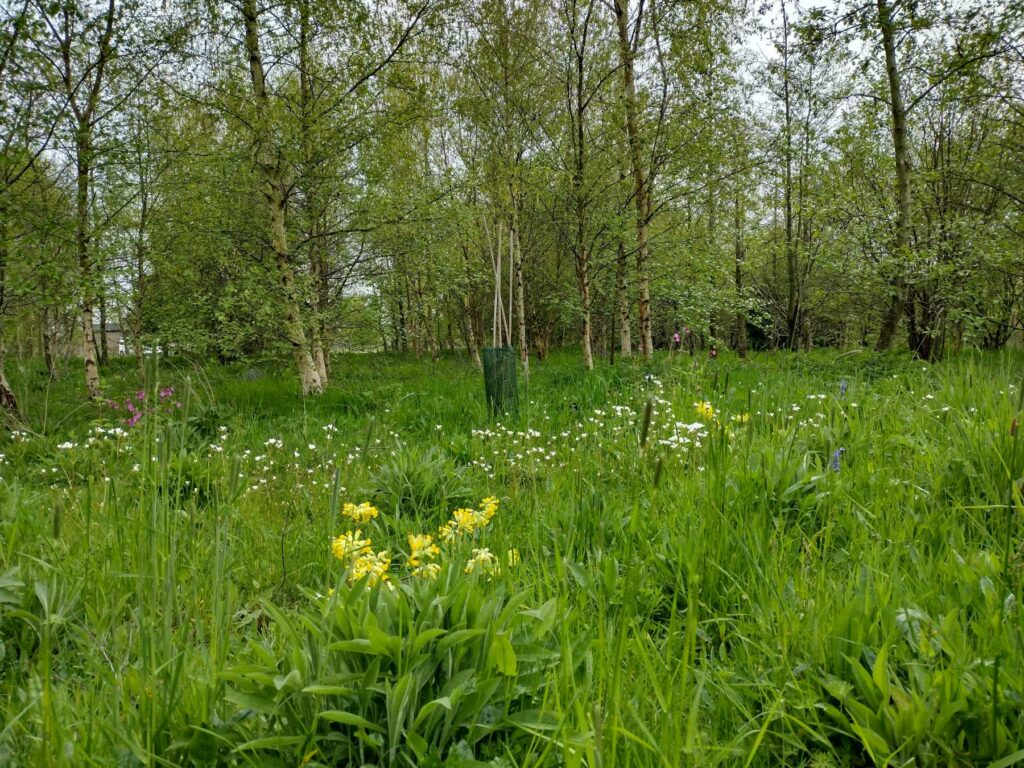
(458, 637)
(327, 690)
(290, 681)
(432, 706)
(254, 701)
(875, 744)
(280, 743)
(349, 718)
(1009, 760)
(534, 720)
(425, 637)
(359, 645)
(502, 656)
(880, 672)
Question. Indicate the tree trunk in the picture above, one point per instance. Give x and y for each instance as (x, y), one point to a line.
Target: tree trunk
(640, 190)
(792, 264)
(520, 293)
(87, 85)
(138, 295)
(104, 343)
(48, 343)
(622, 302)
(578, 114)
(140, 360)
(308, 376)
(902, 158)
(471, 343)
(83, 148)
(8, 402)
(317, 256)
(584, 285)
(274, 192)
(741, 315)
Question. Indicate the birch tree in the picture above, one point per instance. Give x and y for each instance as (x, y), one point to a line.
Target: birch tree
(79, 52)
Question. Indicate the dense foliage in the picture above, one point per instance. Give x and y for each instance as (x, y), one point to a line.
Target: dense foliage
(798, 560)
(245, 178)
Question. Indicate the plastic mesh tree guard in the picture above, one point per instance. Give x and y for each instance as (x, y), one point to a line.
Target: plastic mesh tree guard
(500, 383)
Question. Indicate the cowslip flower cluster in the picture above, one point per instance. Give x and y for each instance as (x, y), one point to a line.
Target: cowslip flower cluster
(362, 561)
(484, 562)
(467, 521)
(373, 566)
(422, 549)
(350, 545)
(359, 558)
(360, 513)
(704, 409)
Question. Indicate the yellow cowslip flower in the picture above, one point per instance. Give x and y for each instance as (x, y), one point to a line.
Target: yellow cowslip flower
(489, 506)
(373, 566)
(349, 545)
(704, 409)
(465, 520)
(468, 521)
(448, 531)
(427, 571)
(741, 418)
(421, 546)
(360, 513)
(512, 558)
(483, 561)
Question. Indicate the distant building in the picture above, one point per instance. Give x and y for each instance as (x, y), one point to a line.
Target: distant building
(115, 339)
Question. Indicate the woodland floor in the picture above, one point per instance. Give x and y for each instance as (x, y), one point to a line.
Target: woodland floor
(802, 560)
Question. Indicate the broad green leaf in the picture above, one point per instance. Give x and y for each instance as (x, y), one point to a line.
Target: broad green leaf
(349, 718)
(502, 655)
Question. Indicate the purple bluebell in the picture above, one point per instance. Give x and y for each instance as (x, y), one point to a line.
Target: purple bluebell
(837, 454)
(842, 387)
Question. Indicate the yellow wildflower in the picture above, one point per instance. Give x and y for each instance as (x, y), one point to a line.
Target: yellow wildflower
(350, 545)
(741, 418)
(468, 521)
(421, 547)
(361, 513)
(373, 566)
(512, 557)
(704, 409)
(465, 519)
(427, 571)
(483, 561)
(448, 531)
(489, 506)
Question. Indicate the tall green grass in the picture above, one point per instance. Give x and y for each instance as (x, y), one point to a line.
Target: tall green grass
(756, 601)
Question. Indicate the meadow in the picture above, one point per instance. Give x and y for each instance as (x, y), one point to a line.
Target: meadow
(809, 560)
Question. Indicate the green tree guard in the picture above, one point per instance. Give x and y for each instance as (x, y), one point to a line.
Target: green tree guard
(500, 380)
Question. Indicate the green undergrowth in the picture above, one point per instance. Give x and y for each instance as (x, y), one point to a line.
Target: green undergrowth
(800, 560)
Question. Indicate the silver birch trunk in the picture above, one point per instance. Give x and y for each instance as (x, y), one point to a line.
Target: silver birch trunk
(274, 193)
(640, 191)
